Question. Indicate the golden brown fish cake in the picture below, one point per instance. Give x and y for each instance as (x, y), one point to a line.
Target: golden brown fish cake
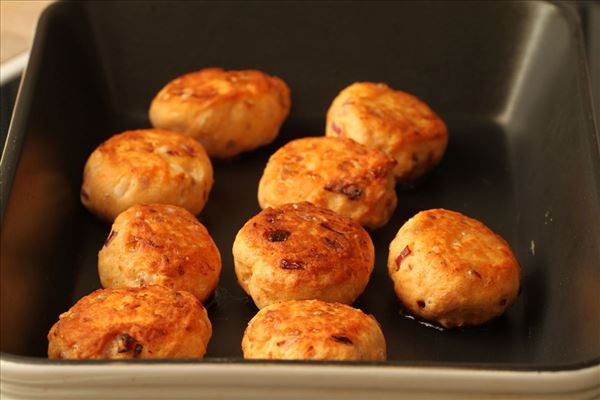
(335, 173)
(393, 121)
(146, 322)
(160, 244)
(300, 251)
(229, 112)
(452, 269)
(146, 166)
(313, 330)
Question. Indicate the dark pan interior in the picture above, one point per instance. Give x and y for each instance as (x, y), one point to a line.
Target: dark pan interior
(507, 77)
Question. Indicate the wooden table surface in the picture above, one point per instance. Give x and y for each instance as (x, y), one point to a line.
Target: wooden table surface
(17, 25)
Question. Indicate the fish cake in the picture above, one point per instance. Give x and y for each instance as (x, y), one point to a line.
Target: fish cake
(335, 173)
(146, 322)
(393, 121)
(160, 244)
(300, 251)
(146, 166)
(452, 269)
(229, 112)
(313, 330)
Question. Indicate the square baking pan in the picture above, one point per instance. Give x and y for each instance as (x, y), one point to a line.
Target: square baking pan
(510, 80)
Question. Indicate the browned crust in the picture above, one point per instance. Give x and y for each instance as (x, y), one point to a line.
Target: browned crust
(388, 110)
(323, 244)
(147, 152)
(212, 85)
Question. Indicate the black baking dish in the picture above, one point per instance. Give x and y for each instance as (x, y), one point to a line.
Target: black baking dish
(508, 77)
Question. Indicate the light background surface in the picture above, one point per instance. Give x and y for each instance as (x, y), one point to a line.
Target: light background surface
(17, 25)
